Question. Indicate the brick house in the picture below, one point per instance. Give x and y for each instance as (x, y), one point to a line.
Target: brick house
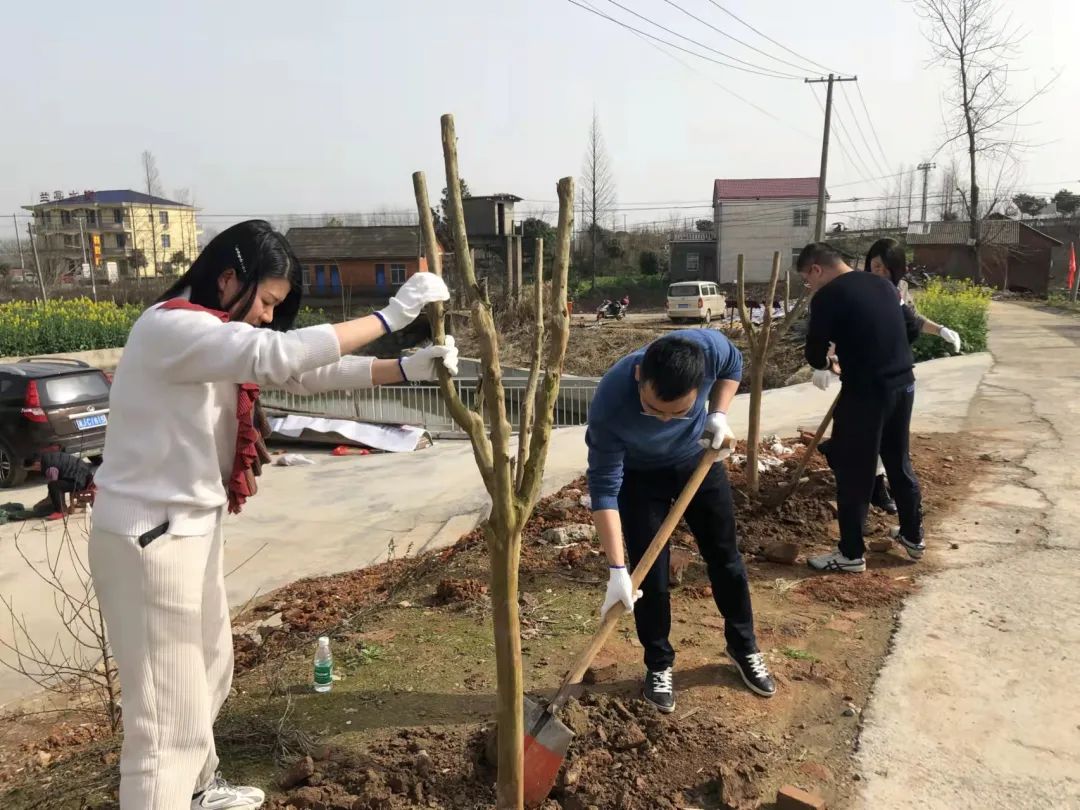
(1015, 256)
(369, 260)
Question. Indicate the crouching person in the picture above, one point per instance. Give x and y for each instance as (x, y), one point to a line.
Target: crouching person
(653, 412)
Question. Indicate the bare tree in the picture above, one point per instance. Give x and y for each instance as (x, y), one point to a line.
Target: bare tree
(187, 235)
(152, 180)
(77, 663)
(947, 196)
(976, 42)
(762, 340)
(512, 483)
(598, 188)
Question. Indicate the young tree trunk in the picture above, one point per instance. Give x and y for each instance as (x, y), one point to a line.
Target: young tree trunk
(509, 704)
(513, 496)
(760, 341)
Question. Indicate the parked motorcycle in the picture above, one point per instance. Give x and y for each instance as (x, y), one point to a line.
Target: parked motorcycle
(611, 309)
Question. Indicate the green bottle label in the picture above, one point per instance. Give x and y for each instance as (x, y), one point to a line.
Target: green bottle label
(324, 673)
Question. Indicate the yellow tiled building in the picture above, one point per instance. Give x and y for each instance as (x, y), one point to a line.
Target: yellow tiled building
(126, 234)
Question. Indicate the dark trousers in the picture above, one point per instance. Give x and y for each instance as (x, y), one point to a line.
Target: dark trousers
(865, 423)
(644, 502)
(56, 492)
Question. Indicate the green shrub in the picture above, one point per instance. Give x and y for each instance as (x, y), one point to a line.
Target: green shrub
(30, 328)
(310, 317)
(960, 305)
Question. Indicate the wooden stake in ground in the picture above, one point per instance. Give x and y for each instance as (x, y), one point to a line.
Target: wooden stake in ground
(514, 488)
(761, 340)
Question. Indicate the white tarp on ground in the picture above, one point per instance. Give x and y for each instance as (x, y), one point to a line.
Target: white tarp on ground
(389, 438)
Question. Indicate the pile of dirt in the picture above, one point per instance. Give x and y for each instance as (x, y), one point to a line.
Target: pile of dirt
(458, 591)
(624, 755)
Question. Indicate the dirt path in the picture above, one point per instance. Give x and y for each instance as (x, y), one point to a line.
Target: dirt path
(976, 707)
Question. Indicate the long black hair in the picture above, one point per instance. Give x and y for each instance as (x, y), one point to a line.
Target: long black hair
(892, 255)
(255, 252)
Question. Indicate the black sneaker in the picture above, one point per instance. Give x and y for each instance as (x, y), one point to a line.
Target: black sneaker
(914, 550)
(659, 690)
(754, 672)
(881, 497)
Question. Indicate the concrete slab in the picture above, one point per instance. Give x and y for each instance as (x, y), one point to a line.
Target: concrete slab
(975, 708)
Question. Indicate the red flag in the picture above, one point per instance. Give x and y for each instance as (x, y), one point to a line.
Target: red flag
(1072, 266)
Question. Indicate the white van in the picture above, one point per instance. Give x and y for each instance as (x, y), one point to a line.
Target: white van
(696, 301)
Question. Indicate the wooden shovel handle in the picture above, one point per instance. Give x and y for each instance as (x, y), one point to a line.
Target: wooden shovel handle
(611, 618)
(810, 448)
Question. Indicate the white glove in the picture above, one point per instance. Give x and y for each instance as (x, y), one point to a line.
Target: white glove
(716, 432)
(950, 337)
(423, 364)
(416, 293)
(823, 378)
(619, 589)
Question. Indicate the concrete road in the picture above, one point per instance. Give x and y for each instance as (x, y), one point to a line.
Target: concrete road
(344, 513)
(977, 707)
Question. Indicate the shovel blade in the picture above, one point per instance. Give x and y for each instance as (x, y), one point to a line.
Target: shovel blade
(546, 741)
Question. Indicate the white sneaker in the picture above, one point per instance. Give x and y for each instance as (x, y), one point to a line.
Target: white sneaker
(223, 796)
(835, 561)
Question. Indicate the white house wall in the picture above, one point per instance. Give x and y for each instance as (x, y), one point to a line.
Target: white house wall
(756, 229)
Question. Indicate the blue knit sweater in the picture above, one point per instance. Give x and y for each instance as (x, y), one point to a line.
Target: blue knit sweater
(621, 436)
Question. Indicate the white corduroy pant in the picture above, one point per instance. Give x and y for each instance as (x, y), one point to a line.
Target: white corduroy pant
(167, 617)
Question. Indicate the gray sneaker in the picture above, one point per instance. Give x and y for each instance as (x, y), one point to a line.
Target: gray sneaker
(914, 550)
(835, 561)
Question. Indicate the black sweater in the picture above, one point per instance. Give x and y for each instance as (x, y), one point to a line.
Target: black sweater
(71, 468)
(873, 334)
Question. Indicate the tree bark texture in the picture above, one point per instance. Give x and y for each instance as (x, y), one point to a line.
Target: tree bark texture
(513, 491)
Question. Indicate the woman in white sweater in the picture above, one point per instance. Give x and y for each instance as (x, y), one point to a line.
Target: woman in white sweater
(180, 450)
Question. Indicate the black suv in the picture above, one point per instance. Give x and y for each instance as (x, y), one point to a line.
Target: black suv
(49, 403)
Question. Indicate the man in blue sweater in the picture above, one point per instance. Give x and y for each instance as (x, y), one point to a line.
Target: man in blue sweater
(653, 413)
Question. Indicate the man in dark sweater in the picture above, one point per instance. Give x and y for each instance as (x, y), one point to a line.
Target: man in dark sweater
(858, 314)
(653, 413)
(64, 473)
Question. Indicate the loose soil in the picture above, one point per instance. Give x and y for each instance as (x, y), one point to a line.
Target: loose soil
(595, 347)
(407, 723)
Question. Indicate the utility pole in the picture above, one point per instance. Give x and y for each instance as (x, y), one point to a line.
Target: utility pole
(819, 228)
(37, 264)
(18, 241)
(925, 169)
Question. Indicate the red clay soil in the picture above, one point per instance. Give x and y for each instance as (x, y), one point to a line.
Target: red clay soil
(722, 749)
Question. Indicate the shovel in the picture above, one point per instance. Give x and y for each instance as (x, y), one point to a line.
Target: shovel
(546, 737)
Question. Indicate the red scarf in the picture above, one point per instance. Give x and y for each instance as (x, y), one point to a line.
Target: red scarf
(241, 484)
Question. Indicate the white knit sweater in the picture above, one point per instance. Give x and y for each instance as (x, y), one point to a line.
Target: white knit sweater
(171, 438)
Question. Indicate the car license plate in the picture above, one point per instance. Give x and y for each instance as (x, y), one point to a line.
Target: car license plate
(684, 306)
(90, 422)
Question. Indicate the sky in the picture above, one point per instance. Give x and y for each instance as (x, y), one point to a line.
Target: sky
(272, 108)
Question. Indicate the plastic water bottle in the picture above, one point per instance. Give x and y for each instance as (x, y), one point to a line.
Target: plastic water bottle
(324, 666)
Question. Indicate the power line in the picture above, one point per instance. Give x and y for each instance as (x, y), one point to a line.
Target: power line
(862, 172)
(862, 134)
(733, 38)
(873, 128)
(629, 27)
(757, 68)
(770, 39)
(649, 41)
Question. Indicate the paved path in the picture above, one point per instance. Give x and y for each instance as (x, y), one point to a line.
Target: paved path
(978, 707)
(344, 513)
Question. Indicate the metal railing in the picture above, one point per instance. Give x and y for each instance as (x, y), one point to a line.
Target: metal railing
(422, 404)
